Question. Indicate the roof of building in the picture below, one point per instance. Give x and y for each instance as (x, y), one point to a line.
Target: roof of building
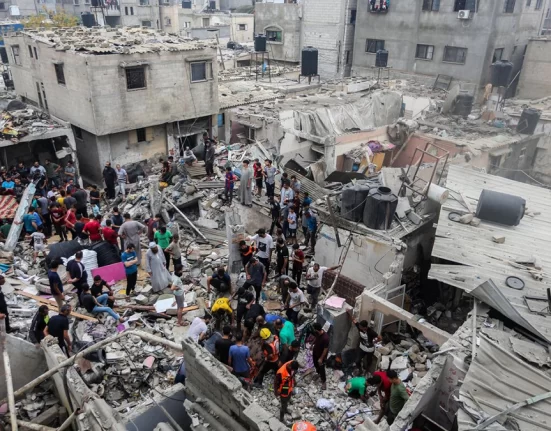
(482, 259)
(239, 93)
(106, 40)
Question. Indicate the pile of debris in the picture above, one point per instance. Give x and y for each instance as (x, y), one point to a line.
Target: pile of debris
(19, 121)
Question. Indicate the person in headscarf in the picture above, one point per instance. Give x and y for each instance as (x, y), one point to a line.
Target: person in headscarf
(155, 265)
(130, 231)
(246, 185)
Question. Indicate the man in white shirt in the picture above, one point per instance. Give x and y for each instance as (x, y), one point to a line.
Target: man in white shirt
(264, 247)
(287, 193)
(198, 328)
(314, 277)
(295, 301)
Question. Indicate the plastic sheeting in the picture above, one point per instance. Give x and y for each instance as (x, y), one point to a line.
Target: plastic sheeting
(376, 110)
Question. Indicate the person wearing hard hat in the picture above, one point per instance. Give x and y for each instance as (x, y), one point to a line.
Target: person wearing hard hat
(270, 348)
(283, 385)
(304, 426)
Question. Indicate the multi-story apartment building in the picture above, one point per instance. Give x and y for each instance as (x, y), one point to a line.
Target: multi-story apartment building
(327, 25)
(129, 93)
(459, 38)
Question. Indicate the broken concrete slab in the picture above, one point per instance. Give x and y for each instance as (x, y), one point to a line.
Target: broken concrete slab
(499, 239)
(399, 363)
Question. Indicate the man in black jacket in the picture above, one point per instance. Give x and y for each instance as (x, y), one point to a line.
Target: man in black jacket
(40, 320)
(78, 274)
(110, 178)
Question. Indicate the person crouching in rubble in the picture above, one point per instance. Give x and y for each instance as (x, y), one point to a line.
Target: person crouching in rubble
(98, 305)
(189, 158)
(220, 280)
(284, 384)
(198, 330)
(270, 348)
(356, 387)
(220, 310)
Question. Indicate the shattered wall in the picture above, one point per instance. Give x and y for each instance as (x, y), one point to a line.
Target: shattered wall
(27, 361)
(125, 147)
(208, 378)
(534, 79)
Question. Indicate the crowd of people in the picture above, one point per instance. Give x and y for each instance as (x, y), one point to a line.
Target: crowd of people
(252, 343)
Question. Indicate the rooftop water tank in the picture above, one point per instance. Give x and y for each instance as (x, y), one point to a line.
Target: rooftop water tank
(260, 43)
(380, 208)
(381, 58)
(353, 199)
(528, 121)
(309, 65)
(463, 105)
(500, 207)
(501, 73)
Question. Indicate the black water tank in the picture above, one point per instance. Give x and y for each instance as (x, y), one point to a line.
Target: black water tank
(528, 121)
(500, 208)
(353, 199)
(380, 208)
(88, 20)
(501, 73)
(309, 64)
(260, 43)
(212, 5)
(463, 105)
(381, 58)
(186, 4)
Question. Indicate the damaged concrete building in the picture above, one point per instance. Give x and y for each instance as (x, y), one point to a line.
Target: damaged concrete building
(166, 89)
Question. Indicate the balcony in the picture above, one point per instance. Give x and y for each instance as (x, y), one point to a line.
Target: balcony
(378, 6)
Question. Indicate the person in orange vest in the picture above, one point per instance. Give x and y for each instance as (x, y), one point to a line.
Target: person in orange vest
(283, 385)
(270, 348)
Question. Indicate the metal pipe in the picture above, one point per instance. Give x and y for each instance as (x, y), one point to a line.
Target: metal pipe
(35, 427)
(474, 330)
(69, 421)
(185, 218)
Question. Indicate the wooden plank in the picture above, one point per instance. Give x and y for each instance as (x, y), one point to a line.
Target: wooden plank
(53, 307)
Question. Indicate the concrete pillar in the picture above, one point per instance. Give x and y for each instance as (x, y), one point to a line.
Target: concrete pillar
(235, 232)
(24, 205)
(155, 198)
(227, 126)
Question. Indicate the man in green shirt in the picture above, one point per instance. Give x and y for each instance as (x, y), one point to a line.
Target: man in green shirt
(162, 238)
(398, 396)
(355, 387)
(286, 331)
(53, 171)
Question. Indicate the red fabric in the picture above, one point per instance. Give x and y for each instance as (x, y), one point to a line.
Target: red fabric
(386, 383)
(8, 207)
(110, 235)
(93, 229)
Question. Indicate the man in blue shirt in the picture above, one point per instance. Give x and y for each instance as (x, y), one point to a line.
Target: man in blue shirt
(8, 184)
(240, 357)
(130, 260)
(312, 229)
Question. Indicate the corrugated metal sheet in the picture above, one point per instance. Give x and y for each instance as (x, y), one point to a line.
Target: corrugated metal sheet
(484, 259)
(314, 190)
(498, 379)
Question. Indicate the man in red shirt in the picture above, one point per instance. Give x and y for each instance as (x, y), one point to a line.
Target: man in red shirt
(109, 233)
(383, 383)
(93, 229)
(70, 220)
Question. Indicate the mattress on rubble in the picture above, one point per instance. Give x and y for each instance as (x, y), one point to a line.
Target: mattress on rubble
(8, 207)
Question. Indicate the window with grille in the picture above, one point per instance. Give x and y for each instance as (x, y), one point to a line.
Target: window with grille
(431, 5)
(201, 71)
(453, 54)
(546, 27)
(140, 133)
(509, 6)
(424, 52)
(135, 78)
(16, 54)
(353, 16)
(59, 74)
(274, 35)
(144, 2)
(146, 23)
(471, 5)
(374, 45)
(242, 27)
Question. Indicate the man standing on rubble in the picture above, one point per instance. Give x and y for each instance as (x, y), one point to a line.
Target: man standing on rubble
(314, 277)
(209, 158)
(246, 185)
(155, 265)
(398, 396)
(269, 177)
(82, 201)
(294, 302)
(56, 286)
(152, 226)
(109, 178)
(122, 180)
(264, 247)
(53, 170)
(284, 384)
(130, 231)
(256, 276)
(319, 352)
(38, 324)
(78, 274)
(3, 306)
(366, 349)
(58, 327)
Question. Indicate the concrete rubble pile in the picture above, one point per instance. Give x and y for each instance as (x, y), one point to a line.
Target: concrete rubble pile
(16, 122)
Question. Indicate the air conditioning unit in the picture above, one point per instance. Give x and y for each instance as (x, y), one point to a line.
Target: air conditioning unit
(464, 14)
